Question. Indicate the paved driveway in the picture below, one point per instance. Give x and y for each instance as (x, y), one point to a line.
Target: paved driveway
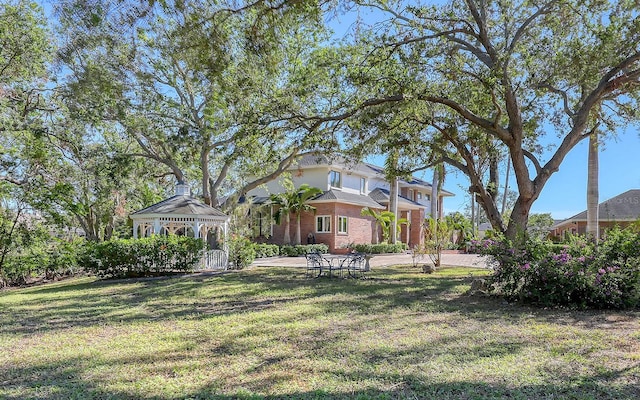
(382, 260)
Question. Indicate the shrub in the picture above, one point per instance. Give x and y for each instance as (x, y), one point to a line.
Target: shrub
(578, 274)
(302, 249)
(266, 250)
(156, 255)
(241, 252)
(380, 248)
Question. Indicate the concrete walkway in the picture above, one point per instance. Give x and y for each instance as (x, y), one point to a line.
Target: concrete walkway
(382, 260)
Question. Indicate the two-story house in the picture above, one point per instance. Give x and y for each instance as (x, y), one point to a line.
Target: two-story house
(347, 189)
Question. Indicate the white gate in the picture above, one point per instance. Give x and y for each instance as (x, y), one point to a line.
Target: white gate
(215, 259)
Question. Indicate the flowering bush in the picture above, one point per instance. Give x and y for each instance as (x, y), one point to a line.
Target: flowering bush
(577, 274)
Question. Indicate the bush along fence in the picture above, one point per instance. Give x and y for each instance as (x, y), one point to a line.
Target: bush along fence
(156, 255)
(580, 274)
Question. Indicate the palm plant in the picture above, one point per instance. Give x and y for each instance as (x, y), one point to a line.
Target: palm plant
(293, 201)
(284, 201)
(386, 220)
(299, 205)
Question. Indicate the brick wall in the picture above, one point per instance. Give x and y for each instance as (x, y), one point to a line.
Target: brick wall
(416, 235)
(360, 229)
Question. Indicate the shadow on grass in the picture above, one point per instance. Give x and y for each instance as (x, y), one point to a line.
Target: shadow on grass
(260, 295)
(64, 381)
(82, 304)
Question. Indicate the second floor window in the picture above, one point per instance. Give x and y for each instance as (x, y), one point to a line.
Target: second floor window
(335, 179)
(363, 185)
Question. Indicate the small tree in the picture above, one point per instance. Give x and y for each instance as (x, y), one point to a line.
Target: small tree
(437, 236)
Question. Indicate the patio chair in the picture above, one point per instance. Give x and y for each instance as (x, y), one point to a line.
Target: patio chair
(314, 264)
(355, 265)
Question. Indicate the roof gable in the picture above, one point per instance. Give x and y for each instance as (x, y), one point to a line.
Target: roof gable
(181, 205)
(625, 206)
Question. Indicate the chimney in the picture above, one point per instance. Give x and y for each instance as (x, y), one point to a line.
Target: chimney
(182, 189)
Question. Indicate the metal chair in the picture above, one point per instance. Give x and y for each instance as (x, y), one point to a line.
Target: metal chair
(355, 265)
(314, 265)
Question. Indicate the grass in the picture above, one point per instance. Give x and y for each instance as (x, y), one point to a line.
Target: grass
(270, 333)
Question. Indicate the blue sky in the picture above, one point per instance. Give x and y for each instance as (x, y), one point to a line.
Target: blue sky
(565, 194)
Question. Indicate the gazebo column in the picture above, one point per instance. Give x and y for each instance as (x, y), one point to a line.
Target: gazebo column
(224, 232)
(196, 228)
(135, 229)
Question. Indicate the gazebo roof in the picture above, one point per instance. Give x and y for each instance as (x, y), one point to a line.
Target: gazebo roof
(180, 205)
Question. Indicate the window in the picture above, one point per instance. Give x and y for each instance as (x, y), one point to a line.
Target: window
(343, 224)
(335, 179)
(419, 196)
(363, 185)
(411, 194)
(323, 223)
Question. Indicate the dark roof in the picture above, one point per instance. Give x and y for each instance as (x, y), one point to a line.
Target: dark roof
(625, 206)
(181, 205)
(382, 196)
(352, 198)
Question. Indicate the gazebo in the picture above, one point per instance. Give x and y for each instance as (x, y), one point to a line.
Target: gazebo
(180, 215)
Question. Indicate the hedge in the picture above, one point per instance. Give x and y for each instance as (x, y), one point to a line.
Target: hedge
(266, 250)
(380, 248)
(156, 255)
(302, 249)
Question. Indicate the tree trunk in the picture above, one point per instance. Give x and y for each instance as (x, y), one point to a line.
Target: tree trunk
(519, 219)
(434, 193)
(296, 237)
(287, 235)
(506, 187)
(393, 207)
(204, 165)
(592, 188)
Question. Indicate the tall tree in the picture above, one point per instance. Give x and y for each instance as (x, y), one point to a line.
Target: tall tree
(194, 83)
(592, 188)
(506, 75)
(25, 52)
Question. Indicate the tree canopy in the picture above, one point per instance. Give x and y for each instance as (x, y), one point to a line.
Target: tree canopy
(107, 94)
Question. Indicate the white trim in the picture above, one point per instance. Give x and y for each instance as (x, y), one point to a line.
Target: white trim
(339, 225)
(325, 218)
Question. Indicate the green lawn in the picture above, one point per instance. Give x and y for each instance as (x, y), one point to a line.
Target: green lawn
(271, 333)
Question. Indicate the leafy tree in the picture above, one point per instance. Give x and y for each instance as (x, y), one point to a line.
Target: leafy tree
(540, 225)
(592, 188)
(370, 212)
(24, 55)
(458, 222)
(503, 77)
(193, 83)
